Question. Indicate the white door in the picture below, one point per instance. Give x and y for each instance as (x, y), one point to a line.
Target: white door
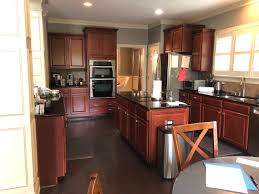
(18, 163)
(153, 53)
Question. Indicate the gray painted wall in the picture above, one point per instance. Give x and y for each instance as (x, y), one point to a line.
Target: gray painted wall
(124, 35)
(240, 16)
(154, 35)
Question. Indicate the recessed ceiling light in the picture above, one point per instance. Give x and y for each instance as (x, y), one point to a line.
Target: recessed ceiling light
(88, 4)
(159, 11)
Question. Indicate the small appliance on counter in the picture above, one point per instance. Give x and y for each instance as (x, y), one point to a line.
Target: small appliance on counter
(193, 84)
(70, 79)
(56, 79)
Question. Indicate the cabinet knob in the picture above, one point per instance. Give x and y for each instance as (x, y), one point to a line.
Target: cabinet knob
(136, 121)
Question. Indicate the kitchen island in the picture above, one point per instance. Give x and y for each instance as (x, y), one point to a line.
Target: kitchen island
(138, 118)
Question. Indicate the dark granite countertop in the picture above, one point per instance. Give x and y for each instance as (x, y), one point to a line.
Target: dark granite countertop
(61, 87)
(56, 108)
(147, 102)
(226, 96)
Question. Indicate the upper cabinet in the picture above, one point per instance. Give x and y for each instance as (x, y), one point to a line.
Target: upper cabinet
(202, 52)
(179, 38)
(101, 43)
(66, 51)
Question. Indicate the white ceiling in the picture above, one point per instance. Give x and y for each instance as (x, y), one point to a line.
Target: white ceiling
(135, 11)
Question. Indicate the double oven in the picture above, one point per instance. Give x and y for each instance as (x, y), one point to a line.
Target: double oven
(102, 78)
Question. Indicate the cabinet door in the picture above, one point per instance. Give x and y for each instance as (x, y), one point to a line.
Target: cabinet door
(124, 123)
(211, 113)
(67, 101)
(177, 40)
(167, 41)
(196, 52)
(235, 128)
(58, 52)
(109, 45)
(132, 130)
(94, 39)
(195, 115)
(142, 138)
(79, 104)
(117, 117)
(76, 52)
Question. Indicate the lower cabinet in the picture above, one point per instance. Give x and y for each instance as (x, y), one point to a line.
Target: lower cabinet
(79, 104)
(132, 128)
(51, 148)
(124, 123)
(195, 112)
(211, 113)
(235, 128)
(232, 117)
(142, 138)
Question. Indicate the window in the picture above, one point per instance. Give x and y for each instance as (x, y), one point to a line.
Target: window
(237, 52)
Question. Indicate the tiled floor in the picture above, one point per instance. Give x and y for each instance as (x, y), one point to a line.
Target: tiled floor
(95, 146)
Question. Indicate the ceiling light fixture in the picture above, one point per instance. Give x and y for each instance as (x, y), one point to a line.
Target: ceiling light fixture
(88, 4)
(159, 11)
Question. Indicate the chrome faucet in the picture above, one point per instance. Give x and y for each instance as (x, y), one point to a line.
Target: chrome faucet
(243, 84)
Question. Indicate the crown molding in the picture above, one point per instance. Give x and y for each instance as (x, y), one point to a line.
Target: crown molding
(232, 7)
(166, 22)
(96, 24)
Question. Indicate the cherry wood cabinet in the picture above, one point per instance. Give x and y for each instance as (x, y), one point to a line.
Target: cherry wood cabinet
(202, 52)
(76, 101)
(66, 51)
(51, 148)
(142, 138)
(232, 117)
(57, 51)
(184, 97)
(235, 123)
(101, 43)
(167, 41)
(212, 113)
(138, 125)
(102, 106)
(195, 110)
(179, 38)
(124, 123)
(79, 104)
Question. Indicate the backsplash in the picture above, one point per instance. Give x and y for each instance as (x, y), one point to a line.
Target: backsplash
(251, 89)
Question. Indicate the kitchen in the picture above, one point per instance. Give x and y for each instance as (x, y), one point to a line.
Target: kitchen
(104, 84)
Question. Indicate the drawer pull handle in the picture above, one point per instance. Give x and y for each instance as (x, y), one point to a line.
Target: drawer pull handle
(136, 121)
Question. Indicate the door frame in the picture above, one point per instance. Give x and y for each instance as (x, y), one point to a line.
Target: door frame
(143, 61)
(150, 79)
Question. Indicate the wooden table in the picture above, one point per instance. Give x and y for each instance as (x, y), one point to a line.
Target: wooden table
(193, 178)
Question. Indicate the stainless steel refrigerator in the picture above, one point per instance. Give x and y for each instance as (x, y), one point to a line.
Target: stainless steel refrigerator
(170, 64)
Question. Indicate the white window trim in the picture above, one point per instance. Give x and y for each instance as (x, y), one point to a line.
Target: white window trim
(252, 77)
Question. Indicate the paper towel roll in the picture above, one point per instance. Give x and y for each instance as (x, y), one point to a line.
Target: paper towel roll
(157, 89)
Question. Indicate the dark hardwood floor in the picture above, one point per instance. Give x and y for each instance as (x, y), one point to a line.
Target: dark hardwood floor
(95, 146)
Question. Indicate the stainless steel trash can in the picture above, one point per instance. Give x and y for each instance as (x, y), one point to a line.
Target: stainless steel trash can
(166, 158)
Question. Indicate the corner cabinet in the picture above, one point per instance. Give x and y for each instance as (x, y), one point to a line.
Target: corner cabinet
(66, 51)
(202, 52)
(101, 43)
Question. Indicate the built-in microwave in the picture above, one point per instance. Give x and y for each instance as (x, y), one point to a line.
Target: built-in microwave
(102, 68)
(102, 88)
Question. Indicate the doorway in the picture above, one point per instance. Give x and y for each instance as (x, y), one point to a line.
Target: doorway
(153, 54)
(131, 68)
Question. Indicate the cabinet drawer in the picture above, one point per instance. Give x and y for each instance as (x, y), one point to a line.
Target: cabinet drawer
(98, 110)
(78, 90)
(195, 97)
(142, 113)
(102, 103)
(184, 95)
(236, 107)
(212, 101)
(64, 90)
